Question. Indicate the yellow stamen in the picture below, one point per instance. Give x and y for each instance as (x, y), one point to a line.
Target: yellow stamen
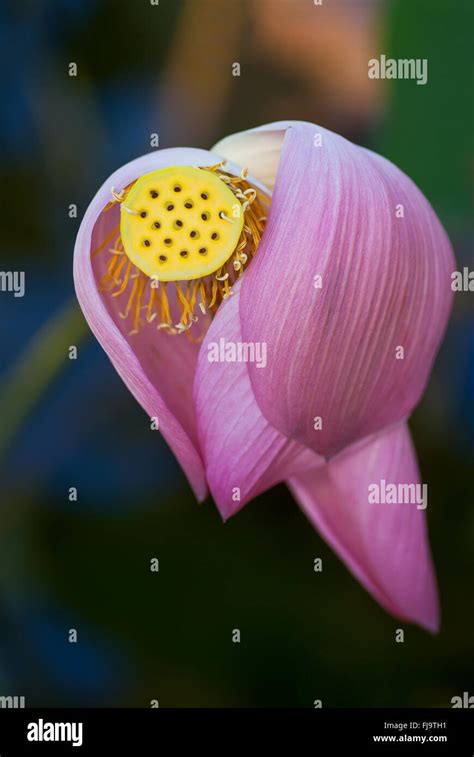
(130, 299)
(202, 293)
(138, 304)
(112, 234)
(165, 310)
(117, 271)
(125, 280)
(215, 289)
(108, 274)
(150, 315)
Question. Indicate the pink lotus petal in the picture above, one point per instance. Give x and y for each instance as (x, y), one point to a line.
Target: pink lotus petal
(241, 450)
(385, 285)
(157, 368)
(385, 546)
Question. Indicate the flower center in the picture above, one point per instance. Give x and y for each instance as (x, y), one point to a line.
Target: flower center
(180, 223)
(197, 228)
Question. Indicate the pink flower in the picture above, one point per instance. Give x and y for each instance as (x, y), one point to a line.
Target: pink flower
(307, 302)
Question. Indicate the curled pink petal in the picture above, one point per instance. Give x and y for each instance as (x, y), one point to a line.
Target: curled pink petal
(384, 545)
(243, 454)
(157, 368)
(350, 290)
(258, 150)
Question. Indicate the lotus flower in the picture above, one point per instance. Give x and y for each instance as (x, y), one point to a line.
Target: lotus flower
(290, 238)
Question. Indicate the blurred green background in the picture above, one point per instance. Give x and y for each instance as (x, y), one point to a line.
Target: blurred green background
(85, 564)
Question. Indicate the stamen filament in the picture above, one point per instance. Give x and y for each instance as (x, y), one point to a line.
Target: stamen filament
(130, 300)
(165, 310)
(125, 280)
(150, 315)
(106, 240)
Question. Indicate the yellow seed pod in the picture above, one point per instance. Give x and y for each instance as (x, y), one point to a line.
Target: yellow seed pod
(180, 223)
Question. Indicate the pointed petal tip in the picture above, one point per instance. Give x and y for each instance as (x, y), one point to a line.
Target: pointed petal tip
(385, 546)
(428, 619)
(201, 492)
(425, 614)
(431, 621)
(434, 627)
